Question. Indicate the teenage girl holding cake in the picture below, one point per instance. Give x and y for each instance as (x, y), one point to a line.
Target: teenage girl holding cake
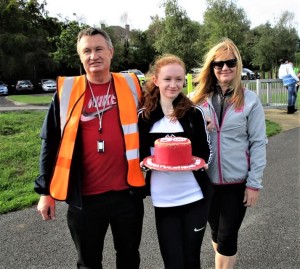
(239, 146)
(180, 197)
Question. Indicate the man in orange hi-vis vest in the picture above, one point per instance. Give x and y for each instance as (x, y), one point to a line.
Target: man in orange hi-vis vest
(90, 156)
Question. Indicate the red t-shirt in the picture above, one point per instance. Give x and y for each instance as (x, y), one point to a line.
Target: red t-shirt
(105, 171)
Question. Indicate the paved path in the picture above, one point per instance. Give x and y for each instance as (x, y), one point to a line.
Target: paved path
(269, 237)
(7, 105)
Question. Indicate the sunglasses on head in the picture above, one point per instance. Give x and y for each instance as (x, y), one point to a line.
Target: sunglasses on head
(220, 64)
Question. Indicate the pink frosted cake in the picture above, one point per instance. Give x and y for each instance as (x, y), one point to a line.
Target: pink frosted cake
(173, 151)
(174, 154)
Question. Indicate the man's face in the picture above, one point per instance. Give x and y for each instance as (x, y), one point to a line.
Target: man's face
(95, 54)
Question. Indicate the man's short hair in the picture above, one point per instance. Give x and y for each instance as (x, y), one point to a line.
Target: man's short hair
(90, 31)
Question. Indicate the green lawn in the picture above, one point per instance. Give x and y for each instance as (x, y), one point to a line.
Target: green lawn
(34, 99)
(19, 158)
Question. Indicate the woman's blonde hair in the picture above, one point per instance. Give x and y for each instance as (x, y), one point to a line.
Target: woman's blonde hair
(206, 80)
(151, 91)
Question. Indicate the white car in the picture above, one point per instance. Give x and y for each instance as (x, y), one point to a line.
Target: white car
(3, 88)
(194, 72)
(48, 85)
(139, 74)
(249, 74)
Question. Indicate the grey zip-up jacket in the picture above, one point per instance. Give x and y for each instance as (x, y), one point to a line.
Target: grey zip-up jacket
(238, 143)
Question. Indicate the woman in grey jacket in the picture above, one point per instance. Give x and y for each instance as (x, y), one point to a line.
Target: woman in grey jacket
(238, 139)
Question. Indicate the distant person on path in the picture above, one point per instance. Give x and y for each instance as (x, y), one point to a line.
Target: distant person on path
(238, 143)
(89, 156)
(289, 79)
(180, 198)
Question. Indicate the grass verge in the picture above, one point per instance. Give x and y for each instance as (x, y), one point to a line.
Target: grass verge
(35, 99)
(19, 158)
(272, 128)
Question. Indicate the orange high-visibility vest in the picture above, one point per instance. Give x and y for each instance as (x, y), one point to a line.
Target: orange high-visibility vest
(71, 95)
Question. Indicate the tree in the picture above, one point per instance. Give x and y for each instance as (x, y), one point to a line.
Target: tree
(286, 36)
(224, 19)
(177, 34)
(274, 43)
(23, 40)
(66, 51)
(34, 45)
(264, 51)
(141, 51)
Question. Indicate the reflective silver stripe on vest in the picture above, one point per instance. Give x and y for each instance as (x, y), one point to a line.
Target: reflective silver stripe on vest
(64, 100)
(130, 128)
(132, 87)
(132, 154)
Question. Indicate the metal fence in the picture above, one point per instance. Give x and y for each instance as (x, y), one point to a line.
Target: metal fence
(271, 92)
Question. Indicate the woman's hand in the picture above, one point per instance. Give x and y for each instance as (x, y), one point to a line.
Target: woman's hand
(209, 124)
(250, 197)
(143, 167)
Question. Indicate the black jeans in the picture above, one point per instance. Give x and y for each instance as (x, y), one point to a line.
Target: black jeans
(88, 227)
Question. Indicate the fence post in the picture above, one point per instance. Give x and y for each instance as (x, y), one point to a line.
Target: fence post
(258, 87)
(189, 83)
(268, 93)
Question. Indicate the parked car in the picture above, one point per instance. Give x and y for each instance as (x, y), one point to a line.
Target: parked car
(139, 74)
(3, 88)
(24, 86)
(249, 74)
(48, 85)
(194, 71)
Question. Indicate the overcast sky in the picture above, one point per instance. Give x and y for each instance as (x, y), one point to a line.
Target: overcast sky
(139, 11)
